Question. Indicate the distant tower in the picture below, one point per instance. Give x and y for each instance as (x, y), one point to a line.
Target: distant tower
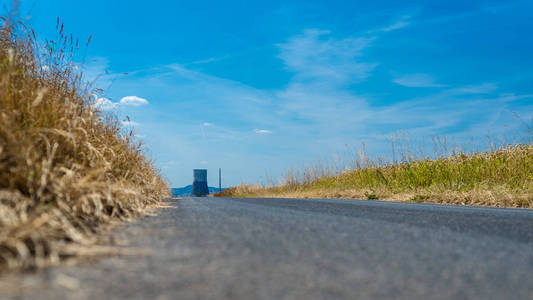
(199, 185)
(219, 180)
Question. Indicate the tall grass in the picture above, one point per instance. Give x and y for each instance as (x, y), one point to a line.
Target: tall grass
(499, 176)
(66, 169)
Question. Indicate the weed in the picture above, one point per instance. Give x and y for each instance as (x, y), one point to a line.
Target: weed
(500, 176)
(371, 196)
(66, 168)
(419, 198)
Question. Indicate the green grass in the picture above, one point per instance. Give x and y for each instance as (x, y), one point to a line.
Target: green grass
(511, 167)
(500, 177)
(66, 169)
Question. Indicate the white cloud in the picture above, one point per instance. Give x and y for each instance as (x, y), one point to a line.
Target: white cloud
(129, 123)
(133, 101)
(95, 72)
(484, 88)
(403, 22)
(417, 80)
(262, 131)
(169, 164)
(209, 60)
(207, 124)
(104, 103)
(315, 55)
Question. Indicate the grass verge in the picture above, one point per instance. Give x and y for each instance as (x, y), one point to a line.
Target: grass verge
(502, 177)
(66, 169)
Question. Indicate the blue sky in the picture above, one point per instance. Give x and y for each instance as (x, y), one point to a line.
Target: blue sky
(258, 87)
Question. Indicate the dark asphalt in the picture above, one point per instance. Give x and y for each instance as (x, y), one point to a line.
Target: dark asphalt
(212, 248)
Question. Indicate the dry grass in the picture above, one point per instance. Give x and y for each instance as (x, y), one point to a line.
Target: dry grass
(66, 169)
(501, 177)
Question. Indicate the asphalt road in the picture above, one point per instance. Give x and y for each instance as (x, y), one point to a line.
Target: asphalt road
(211, 248)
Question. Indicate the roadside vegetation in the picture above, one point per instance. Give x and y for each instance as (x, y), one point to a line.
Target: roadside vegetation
(501, 176)
(66, 168)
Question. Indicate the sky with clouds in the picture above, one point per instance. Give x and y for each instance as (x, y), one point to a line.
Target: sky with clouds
(257, 87)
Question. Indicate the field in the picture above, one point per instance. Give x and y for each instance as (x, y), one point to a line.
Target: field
(66, 169)
(502, 176)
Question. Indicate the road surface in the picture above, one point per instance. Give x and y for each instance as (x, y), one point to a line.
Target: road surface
(212, 248)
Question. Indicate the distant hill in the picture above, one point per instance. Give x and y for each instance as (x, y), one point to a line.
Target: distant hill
(186, 191)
